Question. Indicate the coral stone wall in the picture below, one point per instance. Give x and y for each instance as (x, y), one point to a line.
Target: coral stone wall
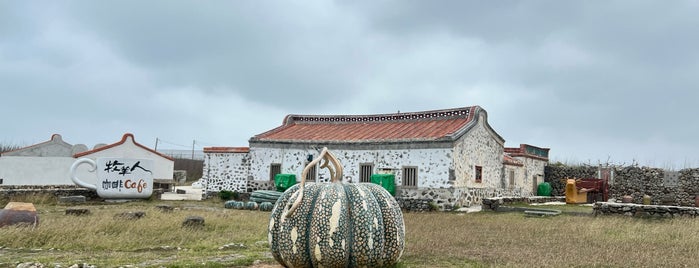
(226, 171)
(678, 188)
(478, 147)
(433, 164)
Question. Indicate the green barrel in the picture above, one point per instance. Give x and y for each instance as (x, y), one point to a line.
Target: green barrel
(544, 189)
(387, 181)
(284, 181)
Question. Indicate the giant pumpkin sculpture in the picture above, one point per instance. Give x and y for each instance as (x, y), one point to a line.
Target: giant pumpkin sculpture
(336, 224)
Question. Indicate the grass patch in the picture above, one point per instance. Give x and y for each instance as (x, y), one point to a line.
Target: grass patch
(238, 238)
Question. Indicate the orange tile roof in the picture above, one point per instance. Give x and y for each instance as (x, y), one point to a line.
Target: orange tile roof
(399, 127)
(226, 149)
(509, 160)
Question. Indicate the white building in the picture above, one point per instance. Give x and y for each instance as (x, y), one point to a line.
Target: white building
(48, 163)
(452, 156)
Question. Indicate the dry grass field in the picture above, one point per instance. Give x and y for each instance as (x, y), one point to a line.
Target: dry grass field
(236, 238)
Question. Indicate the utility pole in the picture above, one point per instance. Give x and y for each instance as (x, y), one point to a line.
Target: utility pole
(193, 149)
(156, 144)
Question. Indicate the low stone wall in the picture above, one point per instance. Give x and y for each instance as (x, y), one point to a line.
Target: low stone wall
(494, 202)
(9, 192)
(669, 188)
(451, 198)
(636, 210)
(418, 204)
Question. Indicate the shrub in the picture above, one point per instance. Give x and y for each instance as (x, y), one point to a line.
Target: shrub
(227, 195)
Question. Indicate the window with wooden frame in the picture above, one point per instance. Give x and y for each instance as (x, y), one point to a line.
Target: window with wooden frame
(274, 169)
(479, 174)
(365, 171)
(311, 175)
(410, 176)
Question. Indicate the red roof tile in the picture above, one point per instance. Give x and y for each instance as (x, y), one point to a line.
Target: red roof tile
(417, 126)
(226, 149)
(508, 160)
(530, 151)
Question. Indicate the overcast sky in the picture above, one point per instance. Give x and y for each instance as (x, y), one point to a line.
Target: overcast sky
(595, 81)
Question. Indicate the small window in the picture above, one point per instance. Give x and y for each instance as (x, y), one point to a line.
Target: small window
(536, 183)
(479, 174)
(0, 181)
(365, 171)
(512, 178)
(311, 175)
(410, 176)
(452, 175)
(274, 169)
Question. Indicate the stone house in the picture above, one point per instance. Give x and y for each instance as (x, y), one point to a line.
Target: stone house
(451, 157)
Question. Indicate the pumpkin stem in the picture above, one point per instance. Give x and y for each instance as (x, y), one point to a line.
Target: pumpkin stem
(335, 174)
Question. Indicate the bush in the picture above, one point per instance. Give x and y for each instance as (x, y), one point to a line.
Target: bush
(227, 195)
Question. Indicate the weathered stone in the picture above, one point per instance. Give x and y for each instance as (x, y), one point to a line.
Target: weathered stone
(130, 215)
(77, 211)
(72, 199)
(193, 222)
(18, 213)
(165, 208)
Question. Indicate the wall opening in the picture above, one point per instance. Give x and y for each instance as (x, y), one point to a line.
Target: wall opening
(410, 176)
(365, 171)
(274, 169)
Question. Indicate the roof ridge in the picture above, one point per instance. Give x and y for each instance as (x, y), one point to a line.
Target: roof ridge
(462, 112)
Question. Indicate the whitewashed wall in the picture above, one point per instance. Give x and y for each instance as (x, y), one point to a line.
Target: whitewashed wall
(226, 171)
(432, 164)
(478, 147)
(519, 185)
(21, 170)
(532, 167)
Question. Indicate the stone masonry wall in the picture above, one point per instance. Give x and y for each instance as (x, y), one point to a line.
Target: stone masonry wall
(449, 198)
(674, 188)
(9, 192)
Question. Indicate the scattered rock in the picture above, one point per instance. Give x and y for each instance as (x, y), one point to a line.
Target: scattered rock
(72, 199)
(165, 208)
(19, 213)
(193, 222)
(30, 265)
(232, 246)
(77, 211)
(130, 215)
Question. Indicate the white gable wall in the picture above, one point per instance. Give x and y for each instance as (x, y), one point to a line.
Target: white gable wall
(163, 167)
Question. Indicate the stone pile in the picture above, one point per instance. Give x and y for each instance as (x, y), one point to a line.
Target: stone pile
(636, 210)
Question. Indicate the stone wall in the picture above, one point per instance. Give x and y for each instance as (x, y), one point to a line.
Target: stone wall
(556, 175)
(451, 198)
(678, 188)
(226, 171)
(493, 203)
(260, 185)
(636, 210)
(10, 192)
